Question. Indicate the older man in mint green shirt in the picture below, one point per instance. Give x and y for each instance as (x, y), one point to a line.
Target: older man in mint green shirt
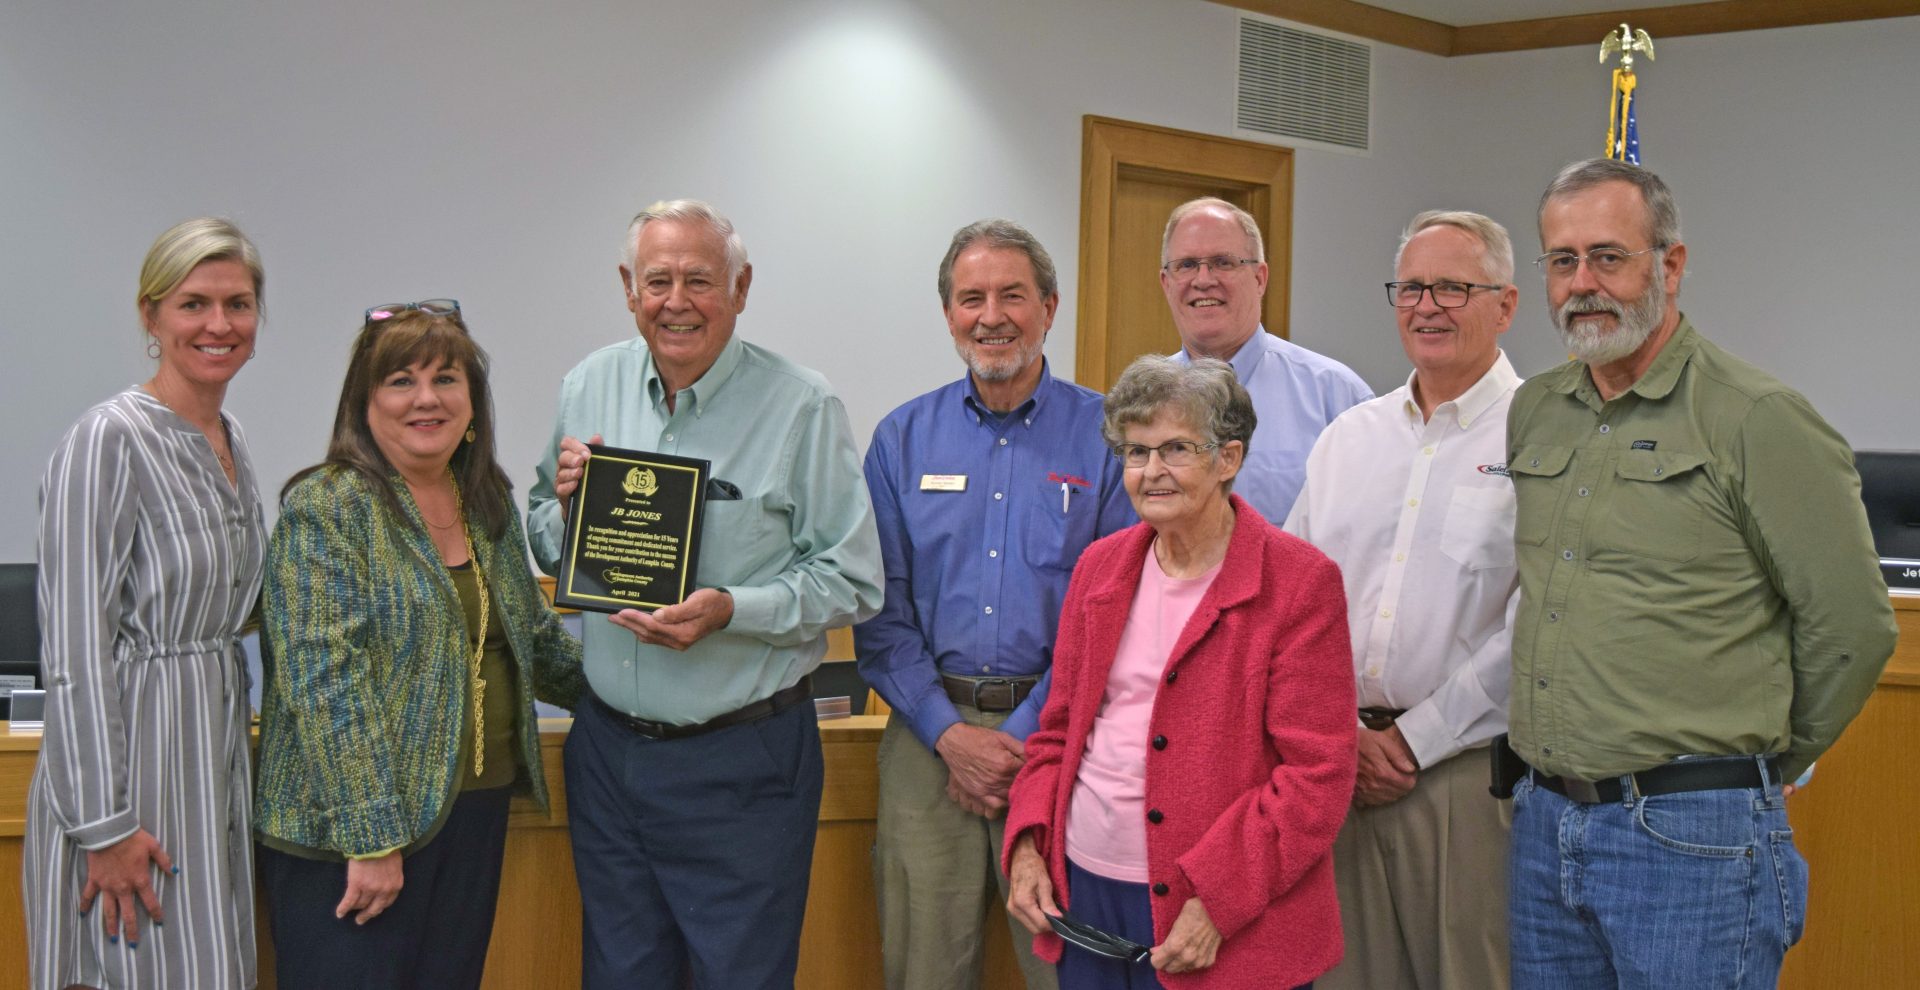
(694, 767)
(1701, 614)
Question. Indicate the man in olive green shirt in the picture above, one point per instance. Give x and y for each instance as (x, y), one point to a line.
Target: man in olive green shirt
(1701, 614)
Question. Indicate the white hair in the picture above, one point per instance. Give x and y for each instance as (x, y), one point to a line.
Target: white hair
(688, 211)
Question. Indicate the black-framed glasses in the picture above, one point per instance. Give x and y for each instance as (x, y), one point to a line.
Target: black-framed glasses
(1173, 453)
(1220, 264)
(1602, 261)
(1098, 942)
(1446, 295)
(432, 307)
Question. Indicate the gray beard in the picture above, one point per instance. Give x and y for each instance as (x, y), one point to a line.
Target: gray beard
(1634, 322)
(990, 373)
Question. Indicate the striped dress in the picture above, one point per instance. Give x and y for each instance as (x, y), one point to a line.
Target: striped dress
(149, 564)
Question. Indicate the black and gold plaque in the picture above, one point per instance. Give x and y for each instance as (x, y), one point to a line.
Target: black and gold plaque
(633, 531)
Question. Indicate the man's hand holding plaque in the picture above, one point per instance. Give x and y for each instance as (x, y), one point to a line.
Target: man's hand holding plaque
(677, 627)
(632, 540)
(571, 464)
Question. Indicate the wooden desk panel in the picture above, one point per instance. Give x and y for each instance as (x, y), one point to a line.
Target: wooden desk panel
(1855, 824)
(1904, 668)
(536, 934)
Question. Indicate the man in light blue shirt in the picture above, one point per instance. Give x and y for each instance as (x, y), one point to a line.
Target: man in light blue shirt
(1213, 271)
(694, 768)
(986, 490)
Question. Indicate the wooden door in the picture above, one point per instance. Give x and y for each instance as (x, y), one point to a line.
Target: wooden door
(1132, 176)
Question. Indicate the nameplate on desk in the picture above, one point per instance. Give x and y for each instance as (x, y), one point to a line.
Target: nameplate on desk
(28, 712)
(1901, 575)
(10, 683)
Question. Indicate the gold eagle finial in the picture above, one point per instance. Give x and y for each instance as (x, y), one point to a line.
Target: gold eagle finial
(1626, 41)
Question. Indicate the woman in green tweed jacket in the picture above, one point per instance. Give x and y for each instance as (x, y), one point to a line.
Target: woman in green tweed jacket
(406, 641)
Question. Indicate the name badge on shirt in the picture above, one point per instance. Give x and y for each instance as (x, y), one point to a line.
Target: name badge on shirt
(943, 482)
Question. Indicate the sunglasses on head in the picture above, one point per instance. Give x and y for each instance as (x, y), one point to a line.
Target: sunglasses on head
(432, 307)
(1098, 942)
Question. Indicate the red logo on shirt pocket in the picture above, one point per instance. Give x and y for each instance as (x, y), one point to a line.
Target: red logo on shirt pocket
(1055, 477)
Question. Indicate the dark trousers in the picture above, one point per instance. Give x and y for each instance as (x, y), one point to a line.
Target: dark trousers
(693, 854)
(1118, 908)
(434, 935)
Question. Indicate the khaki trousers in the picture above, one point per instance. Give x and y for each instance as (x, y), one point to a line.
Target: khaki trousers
(1423, 886)
(937, 870)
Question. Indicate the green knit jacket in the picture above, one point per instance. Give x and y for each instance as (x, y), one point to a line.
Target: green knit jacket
(366, 658)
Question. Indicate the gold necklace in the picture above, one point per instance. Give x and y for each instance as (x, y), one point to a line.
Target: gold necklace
(420, 505)
(226, 460)
(479, 686)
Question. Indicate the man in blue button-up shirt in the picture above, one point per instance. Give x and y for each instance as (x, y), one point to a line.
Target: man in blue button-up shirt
(985, 492)
(1213, 270)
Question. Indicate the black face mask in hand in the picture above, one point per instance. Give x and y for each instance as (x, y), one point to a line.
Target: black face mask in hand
(1098, 942)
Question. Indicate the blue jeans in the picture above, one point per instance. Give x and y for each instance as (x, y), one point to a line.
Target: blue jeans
(1702, 889)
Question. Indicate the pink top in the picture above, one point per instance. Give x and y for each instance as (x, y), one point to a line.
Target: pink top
(1106, 819)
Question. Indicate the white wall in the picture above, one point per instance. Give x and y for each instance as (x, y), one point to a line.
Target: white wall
(1792, 155)
(380, 151)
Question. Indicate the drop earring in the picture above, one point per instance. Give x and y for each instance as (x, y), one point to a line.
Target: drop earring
(153, 347)
(469, 434)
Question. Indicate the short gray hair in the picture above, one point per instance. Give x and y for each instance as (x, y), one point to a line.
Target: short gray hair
(1496, 248)
(1000, 234)
(689, 211)
(1663, 217)
(1205, 393)
(1248, 224)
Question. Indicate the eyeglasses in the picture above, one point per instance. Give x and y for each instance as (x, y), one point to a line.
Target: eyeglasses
(1187, 268)
(1173, 453)
(432, 307)
(1098, 942)
(1446, 295)
(1602, 261)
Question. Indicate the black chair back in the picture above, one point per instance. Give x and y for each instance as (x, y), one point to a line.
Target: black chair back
(1890, 487)
(19, 625)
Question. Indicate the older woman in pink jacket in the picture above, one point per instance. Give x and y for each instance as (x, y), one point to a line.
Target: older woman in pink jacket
(1195, 759)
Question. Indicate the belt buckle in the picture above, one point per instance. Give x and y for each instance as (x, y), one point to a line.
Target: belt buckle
(992, 682)
(640, 726)
(1583, 791)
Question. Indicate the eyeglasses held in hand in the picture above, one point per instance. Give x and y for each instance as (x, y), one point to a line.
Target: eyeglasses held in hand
(1602, 261)
(1173, 453)
(1186, 268)
(1098, 942)
(432, 307)
(1446, 295)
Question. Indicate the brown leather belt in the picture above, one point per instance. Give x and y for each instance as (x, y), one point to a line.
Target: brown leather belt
(1378, 719)
(989, 694)
(779, 701)
(1669, 778)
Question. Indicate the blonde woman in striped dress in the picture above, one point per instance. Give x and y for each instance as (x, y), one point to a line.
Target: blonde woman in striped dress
(138, 872)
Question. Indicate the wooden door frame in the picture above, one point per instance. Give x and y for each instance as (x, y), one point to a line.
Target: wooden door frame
(1110, 146)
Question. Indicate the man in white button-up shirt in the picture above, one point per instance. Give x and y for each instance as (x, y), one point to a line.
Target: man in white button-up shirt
(1409, 494)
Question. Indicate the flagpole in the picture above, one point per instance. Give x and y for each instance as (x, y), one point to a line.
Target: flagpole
(1623, 132)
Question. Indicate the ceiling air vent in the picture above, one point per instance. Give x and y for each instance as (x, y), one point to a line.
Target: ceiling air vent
(1302, 86)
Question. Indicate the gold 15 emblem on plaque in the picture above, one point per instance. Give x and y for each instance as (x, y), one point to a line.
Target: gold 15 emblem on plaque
(641, 482)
